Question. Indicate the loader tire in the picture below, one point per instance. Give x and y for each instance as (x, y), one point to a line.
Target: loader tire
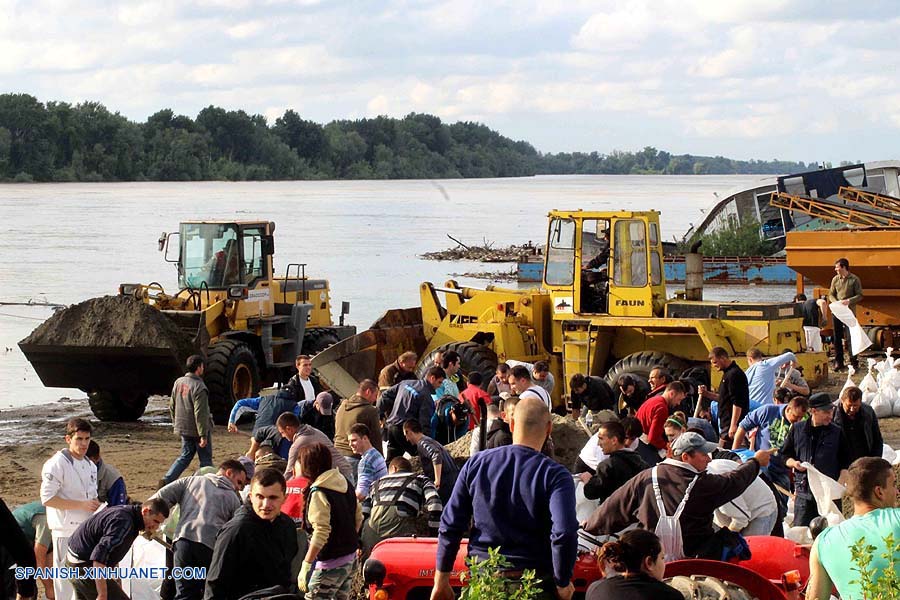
(472, 358)
(231, 375)
(317, 339)
(641, 363)
(119, 406)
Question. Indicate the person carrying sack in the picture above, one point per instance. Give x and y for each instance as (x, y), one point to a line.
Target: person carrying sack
(681, 494)
(668, 528)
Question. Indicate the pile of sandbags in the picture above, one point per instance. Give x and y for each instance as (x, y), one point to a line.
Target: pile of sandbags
(881, 385)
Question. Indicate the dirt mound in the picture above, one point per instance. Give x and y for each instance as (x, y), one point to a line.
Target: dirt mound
(569, 437)
(459, 449)
(112, 321)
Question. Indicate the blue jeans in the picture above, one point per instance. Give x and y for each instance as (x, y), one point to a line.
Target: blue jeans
(189, 447)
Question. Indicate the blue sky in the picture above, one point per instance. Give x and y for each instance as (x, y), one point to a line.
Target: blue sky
(790, 79)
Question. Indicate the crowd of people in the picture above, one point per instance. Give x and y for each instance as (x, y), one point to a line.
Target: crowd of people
(325, 479)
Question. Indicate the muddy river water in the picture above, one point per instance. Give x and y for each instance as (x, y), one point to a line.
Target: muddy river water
(64, 243)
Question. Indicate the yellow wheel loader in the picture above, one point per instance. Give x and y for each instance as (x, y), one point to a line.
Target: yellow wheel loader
(602, 310)
(230, 307)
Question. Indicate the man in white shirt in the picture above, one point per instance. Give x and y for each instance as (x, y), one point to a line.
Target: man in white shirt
(521, 383)
(304, 384)
(69, 491)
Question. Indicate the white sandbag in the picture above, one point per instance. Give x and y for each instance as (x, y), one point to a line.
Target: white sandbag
(868, 383)
(868, 397)
(825, 489)
(895, 410)
(144, 553)
(883, 407)
(848, 384)
(859, 341)
(890, 455)
(583, 507)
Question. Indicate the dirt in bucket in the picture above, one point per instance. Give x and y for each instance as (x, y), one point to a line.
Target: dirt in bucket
(112, 321)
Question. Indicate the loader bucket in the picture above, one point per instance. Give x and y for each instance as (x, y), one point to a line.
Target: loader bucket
(362, 356)
(92, 368)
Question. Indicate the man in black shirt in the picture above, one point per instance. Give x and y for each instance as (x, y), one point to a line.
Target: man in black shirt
(255, 548)
(859, 425)
(104, 539)
(591, 392)
(733, 394)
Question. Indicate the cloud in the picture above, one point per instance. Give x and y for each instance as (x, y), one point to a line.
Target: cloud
(684, 75)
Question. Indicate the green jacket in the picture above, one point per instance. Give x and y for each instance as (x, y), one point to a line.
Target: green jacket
(846, 288)
(189, 407)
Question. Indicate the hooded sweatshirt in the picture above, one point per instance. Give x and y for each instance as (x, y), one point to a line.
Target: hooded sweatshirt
(251, 554)
(334, 516)
(613, 473)
(206, 503)
(356, 410)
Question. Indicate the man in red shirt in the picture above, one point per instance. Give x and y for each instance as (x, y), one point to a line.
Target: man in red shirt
(474, 396)
(654, 411)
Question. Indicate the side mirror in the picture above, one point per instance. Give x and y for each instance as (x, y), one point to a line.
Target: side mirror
(166, 242)
(268, 245)
(162, 241)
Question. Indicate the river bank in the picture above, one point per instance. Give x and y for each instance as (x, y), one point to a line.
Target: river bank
(143, 450)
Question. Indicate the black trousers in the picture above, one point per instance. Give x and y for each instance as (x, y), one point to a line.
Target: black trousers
(190, 554)
(397, 444)
(841, 332)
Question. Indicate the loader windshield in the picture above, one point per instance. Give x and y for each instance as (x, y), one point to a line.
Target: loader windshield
(210, 255)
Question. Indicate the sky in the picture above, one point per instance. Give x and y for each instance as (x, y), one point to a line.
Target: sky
(788, 79)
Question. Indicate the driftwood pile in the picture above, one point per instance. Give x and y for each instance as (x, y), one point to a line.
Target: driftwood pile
(510, 275)
(484, 253)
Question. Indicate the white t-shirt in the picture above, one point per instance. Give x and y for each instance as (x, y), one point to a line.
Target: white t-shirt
(308, 390)
(538, 392)
(69, 479)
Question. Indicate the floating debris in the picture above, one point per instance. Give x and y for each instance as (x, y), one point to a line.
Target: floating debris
(485, 252)
(510, 275)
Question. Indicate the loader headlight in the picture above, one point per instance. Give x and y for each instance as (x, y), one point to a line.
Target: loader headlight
(236, 292)
(128, 289)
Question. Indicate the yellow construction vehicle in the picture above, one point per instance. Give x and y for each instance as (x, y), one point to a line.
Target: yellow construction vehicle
(603, 310)
(230, 307)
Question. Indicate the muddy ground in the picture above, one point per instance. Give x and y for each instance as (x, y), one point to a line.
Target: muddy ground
(142, 451)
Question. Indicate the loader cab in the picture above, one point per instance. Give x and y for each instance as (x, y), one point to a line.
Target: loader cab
(605, 263)
(220, 255)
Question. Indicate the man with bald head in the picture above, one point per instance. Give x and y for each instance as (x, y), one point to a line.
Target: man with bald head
(501, 489)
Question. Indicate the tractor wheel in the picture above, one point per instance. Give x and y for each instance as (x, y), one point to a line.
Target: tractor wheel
(472, 358)
(641, 363)
(317, 339)
(126, 405)
(231, 375)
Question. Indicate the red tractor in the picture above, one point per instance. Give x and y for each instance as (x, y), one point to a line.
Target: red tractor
(403, 569)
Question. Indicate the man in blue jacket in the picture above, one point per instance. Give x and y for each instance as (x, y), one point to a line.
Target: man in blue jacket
(411, 400)
(498, 491)
(104, 539)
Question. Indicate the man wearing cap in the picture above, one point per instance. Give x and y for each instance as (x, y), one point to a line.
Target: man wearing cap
(690, 457)
(819, 442)
(206, 503)
(318, 413)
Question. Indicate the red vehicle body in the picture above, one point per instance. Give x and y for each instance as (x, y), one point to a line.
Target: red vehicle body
(403, 569)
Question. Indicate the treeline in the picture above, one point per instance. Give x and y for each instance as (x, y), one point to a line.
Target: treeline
(58, 141)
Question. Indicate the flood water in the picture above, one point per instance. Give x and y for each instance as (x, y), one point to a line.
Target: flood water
(64, 243)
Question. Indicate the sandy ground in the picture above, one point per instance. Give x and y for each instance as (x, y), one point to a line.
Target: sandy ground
(142, 451)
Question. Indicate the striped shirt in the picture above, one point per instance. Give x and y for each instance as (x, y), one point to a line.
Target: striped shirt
(371, 468)
(409, 494)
